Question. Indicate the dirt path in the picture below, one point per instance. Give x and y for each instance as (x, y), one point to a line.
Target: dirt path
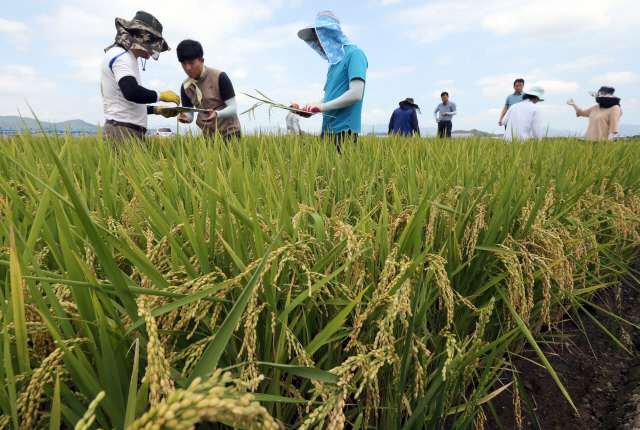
(601, 378)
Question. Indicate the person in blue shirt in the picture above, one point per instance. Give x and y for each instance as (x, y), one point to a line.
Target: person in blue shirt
(404, 120)
(341, 105)
(516, 97)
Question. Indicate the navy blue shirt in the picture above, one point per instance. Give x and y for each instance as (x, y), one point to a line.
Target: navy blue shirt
(404, 122)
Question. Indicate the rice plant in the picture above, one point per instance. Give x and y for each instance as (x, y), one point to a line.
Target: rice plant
(277, 284)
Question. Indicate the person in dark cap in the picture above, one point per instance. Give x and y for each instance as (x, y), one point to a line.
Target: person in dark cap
(604, 118)
(124, 99)
(404, 120)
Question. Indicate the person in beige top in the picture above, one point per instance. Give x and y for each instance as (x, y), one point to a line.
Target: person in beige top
(210, 89)
(604, 118)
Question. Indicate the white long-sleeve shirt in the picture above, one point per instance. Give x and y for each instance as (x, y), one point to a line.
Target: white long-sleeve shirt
(524, 121)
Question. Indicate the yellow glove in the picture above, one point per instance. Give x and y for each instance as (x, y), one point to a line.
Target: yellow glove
(165, 114)
(170, 97)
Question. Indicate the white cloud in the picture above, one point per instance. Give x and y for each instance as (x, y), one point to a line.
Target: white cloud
(617, 78)
(555, 86)
(453, 93)
(487, 116)
(15, 31)
(239, 74)
(548, 109)
(549, 18)
(538, 19)
(22, 81)
(377, 74)
(155, 83)
(445, 82)
(589, 61)
(443, 60)
(376, 116)
(500, 85)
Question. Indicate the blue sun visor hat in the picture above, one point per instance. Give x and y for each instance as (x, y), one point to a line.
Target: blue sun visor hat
(536, 92)
(330, 35)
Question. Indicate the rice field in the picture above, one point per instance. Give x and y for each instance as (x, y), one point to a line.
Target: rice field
(275, 284)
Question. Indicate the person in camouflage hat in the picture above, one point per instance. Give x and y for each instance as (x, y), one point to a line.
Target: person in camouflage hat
(144, 32)
(124, 99)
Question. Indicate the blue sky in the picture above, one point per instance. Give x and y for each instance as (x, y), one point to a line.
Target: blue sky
(51, 52)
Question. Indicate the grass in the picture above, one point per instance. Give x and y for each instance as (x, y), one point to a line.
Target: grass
(277, 284)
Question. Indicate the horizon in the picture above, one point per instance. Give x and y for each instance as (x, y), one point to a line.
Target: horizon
(471, 49)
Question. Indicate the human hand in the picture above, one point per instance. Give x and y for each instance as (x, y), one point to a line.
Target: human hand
(183, 118)
(571, 102)
(443, 113)
(170, 97)
(500, 123)
(165, 114)
(437, 120)
(212, 115)
(313, 107)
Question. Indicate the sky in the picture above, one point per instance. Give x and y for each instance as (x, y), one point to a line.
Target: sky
(50, 54)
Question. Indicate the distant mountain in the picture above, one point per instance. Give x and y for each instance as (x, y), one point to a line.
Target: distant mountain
(18, 122)
(424, 131)
(624, 130)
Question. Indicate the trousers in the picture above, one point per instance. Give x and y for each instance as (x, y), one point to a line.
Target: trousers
(444, 129)
(338, 138)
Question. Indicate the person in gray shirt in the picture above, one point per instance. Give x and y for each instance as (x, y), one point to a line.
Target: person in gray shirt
(512, 99)
(444, 114)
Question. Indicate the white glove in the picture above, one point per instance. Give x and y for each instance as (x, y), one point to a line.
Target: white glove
(314, 107)
(571, 102)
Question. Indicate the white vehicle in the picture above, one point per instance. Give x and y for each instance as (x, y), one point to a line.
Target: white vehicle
(164, 132)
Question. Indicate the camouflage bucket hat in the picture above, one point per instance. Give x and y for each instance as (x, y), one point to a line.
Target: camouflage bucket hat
(144, 32)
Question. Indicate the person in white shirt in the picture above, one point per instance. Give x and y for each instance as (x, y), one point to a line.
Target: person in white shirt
(123, 98)
(293, 121)
(524, 119)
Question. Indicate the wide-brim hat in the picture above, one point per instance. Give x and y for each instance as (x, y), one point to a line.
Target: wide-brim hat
(409, 102)
(536, 91)
(327, 28)
(606, 92)
(147, 32)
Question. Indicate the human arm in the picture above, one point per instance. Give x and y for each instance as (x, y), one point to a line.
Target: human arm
(136, 93)
(296, 122)
(614, 120)
(454, 109)
(504, 111)
(357, 76)
(228, 95)
(185, 117)
(352, 95)
(579, 112)
(506, 117)
(391, 122)
(230, 110)
(536, 125)
(414, 123)
(435, 114)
